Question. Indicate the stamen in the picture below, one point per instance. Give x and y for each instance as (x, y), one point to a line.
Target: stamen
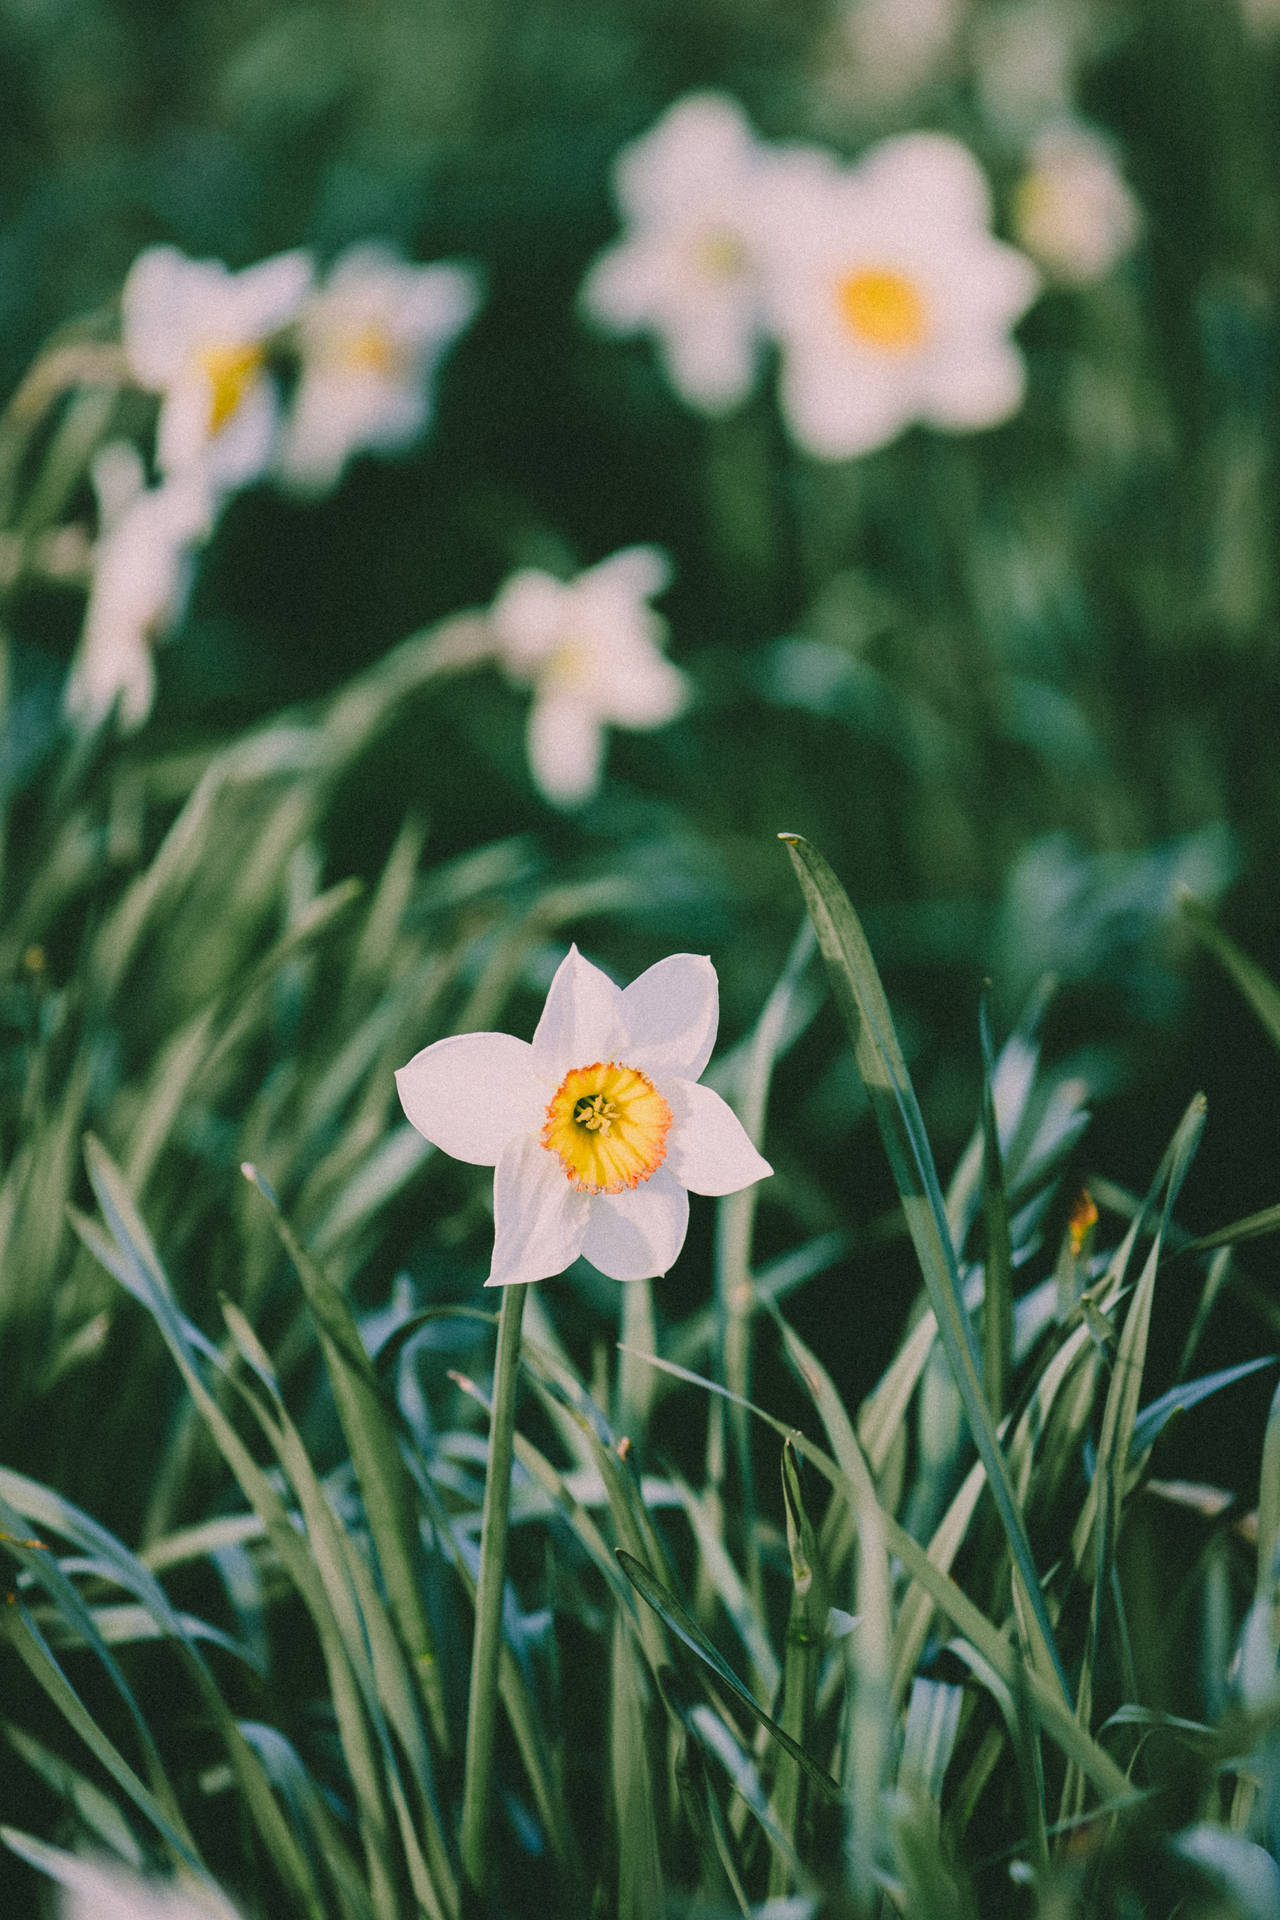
(607, 1125)
(230, 371)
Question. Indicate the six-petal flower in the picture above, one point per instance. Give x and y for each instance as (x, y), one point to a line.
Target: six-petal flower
(892, 301)
(597, 1129)
(197, 333)
(369, 342)
(591, 650)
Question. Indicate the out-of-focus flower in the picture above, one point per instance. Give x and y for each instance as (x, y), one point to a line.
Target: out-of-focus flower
(1026, 55)
(94, 1892)
(198, 334)
(141, 572)
(591, 650)
(879, 53)
(597, 1130)
(1072, 209)
(892, 301)
(370, 340)
(689, 267)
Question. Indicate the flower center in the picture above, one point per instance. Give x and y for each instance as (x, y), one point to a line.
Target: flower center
(721, 254)
(229, 371)
(883, 309)
(607, 1125)
(366, 350)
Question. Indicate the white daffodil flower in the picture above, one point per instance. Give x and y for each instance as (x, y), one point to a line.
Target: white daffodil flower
(892, 301)
(1072, 210)
(198, 334)
(597, 1129)
(370, 341)
(689, 268)
(591, 650)
(97, 1892)
(142, 564)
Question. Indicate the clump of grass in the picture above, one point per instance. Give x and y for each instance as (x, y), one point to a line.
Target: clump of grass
(757, 1643)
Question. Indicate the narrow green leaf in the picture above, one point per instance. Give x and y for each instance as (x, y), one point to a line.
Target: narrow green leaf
(685, 1627)
(862, 1003)
(997, 1290)
(1261, 992)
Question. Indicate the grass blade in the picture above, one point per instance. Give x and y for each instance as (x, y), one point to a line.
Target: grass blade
(862, 1003)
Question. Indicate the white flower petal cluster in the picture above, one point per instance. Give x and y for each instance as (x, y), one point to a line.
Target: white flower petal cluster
(1072, 209)
(882, 284)
(369, 341)
(590, 648)
(689, 268)
(892, 301)
(142, 565)
(597, 1130)
(197, 334)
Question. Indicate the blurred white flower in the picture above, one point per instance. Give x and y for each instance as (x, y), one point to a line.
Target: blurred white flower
(892, 301)
(591, 650)
(98, 1892)
(1072, 209)
(370, 340)
(1026, 55)
(597, 1129)
(881, 52)
(198, 334)
(141, 572)
(696, 192)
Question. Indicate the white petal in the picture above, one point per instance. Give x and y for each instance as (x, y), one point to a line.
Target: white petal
(636, 1234)
(708, 1149)
(469, 1095)
(566, 748)
(980, 388)
(582, 1020)
(671, 1013)
(640, 688)
(633, 573)
(836, 410)
(527, 617)
(539, 1219)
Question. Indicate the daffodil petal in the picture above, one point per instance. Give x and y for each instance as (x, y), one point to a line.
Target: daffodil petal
(671, 1012)
(636, 1234)
(582, 1020)
(708, 1148)
(469, 1095)
(566, 748)
(539, 1219)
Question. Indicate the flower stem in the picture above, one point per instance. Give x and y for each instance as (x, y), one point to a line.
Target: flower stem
(486, 1652)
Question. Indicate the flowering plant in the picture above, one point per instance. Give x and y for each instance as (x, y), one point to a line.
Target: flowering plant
(597, 1129)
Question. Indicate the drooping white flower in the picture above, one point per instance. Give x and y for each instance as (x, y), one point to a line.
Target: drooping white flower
(1026, 56)
(892, 301)
(689, 267)
(198, 334)
(591, 650)
(597, 1129)
(370, 341)
(878, 53)
(142, 563)
(1072, 209)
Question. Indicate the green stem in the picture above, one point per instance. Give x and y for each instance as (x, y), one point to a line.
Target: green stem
(486, 1650)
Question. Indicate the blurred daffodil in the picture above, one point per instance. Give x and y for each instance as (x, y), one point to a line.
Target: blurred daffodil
(694, 194)
(99, 1892)
(597, 1129)
(590, 648)
(369, 340)
(198, 334)
(142, 564)
(892, 301)
(1072, 209)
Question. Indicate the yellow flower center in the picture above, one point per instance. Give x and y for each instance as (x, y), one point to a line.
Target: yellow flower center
(883, 309)
(230, 371)
(607, 1125)
(365, 350)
